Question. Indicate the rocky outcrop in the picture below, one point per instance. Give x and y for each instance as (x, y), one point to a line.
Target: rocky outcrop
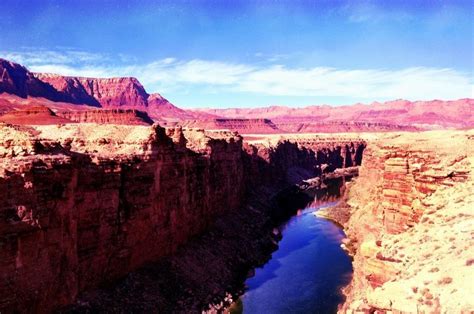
(107, 116)
(410, 225)
(114, 93)
(119, 92)
(16, 79)
(86, 204)
(33, 115)
(98, 92)
(42, 115)
(243, 126)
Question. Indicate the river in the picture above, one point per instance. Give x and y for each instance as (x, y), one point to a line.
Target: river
(305, 274)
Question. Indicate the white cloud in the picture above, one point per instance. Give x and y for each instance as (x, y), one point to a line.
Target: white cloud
(32, 56)
(178, 76)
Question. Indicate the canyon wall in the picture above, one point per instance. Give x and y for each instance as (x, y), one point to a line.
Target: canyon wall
(410, 225)
(86, 204)
(79, 210)
(107, 116)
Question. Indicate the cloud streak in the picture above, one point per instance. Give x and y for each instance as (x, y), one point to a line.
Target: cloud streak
(175, 76)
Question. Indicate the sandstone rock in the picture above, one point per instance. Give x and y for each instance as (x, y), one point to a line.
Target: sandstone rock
(83, 204)
(409, 215)
(107, 116)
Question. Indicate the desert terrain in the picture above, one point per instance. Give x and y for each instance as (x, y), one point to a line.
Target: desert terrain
(111, 195)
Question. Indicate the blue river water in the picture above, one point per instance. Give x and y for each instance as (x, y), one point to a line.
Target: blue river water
(305, 274)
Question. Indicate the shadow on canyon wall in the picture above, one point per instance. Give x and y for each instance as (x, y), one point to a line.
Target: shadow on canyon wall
(135, 226)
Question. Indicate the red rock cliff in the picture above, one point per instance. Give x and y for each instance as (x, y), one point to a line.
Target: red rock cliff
(16, 79)
(107, 116)
(76, 211)
(411, 224)
(85, 204)
(103, 92)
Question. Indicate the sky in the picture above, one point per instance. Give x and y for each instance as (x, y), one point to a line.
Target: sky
(252, 53)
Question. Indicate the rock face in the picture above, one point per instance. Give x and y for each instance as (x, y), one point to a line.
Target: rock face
(120, 92)
(104, 92)
(70, 220)
(85, 204)
(16, 79)
(411, 225)
(243, 126)
(114, 93)
(107, 116)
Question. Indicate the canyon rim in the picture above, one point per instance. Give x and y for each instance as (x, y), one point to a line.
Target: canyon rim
(141, 169)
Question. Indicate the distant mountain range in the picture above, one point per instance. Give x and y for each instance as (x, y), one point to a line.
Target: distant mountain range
(105, 100)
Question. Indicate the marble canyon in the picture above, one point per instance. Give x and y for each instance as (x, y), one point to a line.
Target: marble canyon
(113, 199)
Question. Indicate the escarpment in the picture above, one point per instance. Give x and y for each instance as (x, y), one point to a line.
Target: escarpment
(107, 116)
(86, 204)
(410, 225)
(104, 92)
(72, 93)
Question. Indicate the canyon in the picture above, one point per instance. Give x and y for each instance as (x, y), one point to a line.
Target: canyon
(85, 204)
(115, 199)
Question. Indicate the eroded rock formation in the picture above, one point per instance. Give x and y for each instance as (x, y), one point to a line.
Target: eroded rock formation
(16, 79)
(410, 225)
(78, 210)
(107, 116)
(86, 204)
(104, 92)
(243, 126)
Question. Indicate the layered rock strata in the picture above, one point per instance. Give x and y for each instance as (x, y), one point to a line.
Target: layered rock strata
(128, 93)
(86, 204)
(261, 126)
(410, 225)
(83, 205)
(31, 115)
(107, 116)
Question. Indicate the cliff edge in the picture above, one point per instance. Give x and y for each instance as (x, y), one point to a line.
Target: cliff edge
(410, 225)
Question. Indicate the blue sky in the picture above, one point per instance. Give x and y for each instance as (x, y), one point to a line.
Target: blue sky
(252, 53)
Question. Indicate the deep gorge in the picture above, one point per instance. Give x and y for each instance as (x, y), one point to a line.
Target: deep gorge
(75, 217)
